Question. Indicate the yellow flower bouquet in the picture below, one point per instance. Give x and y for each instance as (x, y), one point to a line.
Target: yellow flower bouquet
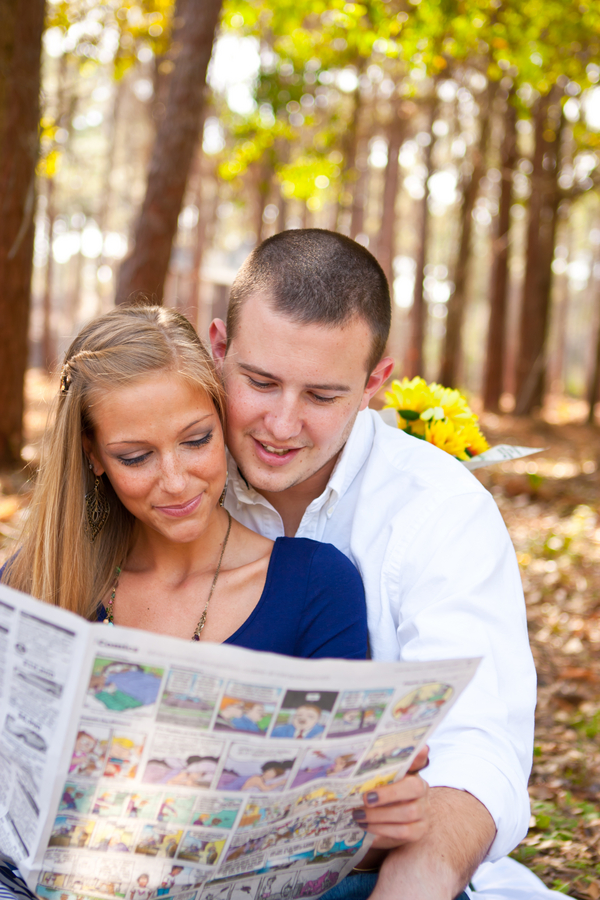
(436, 414)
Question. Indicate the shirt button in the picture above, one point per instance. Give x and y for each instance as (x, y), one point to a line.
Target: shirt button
(330, 512)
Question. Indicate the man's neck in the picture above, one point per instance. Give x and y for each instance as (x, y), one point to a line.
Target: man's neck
(292, 503)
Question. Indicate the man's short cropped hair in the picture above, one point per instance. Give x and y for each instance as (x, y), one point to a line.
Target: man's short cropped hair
(316, 277)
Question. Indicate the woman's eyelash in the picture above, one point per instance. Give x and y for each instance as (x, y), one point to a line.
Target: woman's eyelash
(133, 460)
(136, 460)
(262, 384)
(200, 441)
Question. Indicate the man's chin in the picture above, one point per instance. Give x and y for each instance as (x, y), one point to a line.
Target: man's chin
(271, 481)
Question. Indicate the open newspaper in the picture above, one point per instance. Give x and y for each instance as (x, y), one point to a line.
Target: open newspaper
(138, 766)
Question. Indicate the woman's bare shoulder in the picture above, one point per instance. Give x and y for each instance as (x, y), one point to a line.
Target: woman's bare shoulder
(249, 546)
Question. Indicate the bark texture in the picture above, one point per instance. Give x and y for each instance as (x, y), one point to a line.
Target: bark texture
(176, 140)
(414, 355)
(20, 51)
(451, 353)
(543, 210)
(386, 245)
(496, 340)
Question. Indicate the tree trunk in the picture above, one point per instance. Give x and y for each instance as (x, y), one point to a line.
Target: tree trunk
(386, 245)
(19, 141)
(543, 209)
(451, 352)
(176, 140)
(349, 148)
(594, 385)
(48, 352)
(496, 340)
(414, 355)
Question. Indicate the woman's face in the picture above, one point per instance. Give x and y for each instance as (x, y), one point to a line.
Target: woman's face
(160, 443)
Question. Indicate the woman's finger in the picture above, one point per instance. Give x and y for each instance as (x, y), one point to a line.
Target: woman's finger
(411, 787)
(421, 760)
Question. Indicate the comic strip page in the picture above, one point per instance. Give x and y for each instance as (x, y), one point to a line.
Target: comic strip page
(207, 772)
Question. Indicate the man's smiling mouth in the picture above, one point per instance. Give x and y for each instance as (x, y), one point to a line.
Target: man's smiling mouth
(277, 450)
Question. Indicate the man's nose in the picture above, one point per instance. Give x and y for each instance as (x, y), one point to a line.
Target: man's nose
(283, 420)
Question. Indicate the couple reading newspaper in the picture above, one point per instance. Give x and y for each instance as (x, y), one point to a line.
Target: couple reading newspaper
(140, 519)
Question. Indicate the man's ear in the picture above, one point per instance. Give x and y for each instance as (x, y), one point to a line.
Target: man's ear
(218, 341)
(377, 378)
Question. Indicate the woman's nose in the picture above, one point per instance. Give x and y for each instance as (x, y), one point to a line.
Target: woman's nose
(172, 475)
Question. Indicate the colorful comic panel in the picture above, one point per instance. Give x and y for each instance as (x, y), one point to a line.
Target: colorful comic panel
(359, 712)
(158, 840)
(76, 797)
(117, 686)
(142, 805)
(330, 762)
(200, 848)
(247, 708)
(182, 759)
(304, 714)
(110, 836)
(89, 754)
(422, 705)
(220, 812)
(124, 754)
(391, 748)
(71, 832)
(110, 803)
(188, 699)
(250, 769)
(175, 809)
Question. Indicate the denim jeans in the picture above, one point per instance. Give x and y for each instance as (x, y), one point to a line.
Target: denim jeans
(360, 886)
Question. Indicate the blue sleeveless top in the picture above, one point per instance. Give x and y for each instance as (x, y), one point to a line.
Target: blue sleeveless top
(312, 605)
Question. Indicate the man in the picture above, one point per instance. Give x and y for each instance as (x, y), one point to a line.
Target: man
(303, 724)
(301, 356)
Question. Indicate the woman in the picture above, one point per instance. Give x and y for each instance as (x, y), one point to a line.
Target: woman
(126, 522)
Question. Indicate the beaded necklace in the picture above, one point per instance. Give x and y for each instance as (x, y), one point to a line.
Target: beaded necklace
(202, 622)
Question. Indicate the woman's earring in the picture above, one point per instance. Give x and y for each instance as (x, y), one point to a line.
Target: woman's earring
(97, 508)
(224, 494)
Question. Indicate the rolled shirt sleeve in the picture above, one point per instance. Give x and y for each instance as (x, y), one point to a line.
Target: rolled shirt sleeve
(461, 596)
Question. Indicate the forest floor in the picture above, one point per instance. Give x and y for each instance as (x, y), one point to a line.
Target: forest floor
(550, 504)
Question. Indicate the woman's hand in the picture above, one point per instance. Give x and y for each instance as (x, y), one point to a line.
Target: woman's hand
(397, 813)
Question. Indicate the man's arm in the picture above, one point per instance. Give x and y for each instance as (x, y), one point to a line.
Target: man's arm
(439, 865)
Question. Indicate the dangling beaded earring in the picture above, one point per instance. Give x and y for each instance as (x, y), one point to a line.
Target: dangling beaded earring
(224, 494)
(97, 507)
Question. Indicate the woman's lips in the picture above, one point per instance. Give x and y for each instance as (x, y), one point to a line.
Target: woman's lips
(275, 459)
(183, 509)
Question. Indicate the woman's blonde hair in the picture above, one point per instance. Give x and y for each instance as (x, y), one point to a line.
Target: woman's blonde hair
(56, 560)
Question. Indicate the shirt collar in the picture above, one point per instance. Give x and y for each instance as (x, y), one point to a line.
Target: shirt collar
(347, 467)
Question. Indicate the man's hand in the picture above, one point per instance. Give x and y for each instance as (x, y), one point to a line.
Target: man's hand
(441, 863)
(397, 813)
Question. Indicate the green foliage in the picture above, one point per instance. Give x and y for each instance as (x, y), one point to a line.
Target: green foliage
(96, 33)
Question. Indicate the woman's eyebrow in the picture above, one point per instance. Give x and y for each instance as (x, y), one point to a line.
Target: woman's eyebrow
(182, 431)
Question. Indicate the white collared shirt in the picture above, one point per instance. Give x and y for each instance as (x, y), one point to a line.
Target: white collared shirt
(441, 581)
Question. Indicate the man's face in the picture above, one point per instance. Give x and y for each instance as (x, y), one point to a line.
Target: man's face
(293, 392)
(305, 718)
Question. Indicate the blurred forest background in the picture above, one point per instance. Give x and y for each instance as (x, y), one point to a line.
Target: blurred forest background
(150, 144)
(458, 140)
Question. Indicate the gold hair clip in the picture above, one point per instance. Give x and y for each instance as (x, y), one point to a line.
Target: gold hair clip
(65, 379)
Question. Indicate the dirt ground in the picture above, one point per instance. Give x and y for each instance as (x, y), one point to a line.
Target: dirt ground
(549, 502)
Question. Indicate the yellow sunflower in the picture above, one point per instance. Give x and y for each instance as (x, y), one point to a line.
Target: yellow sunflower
(436, 414)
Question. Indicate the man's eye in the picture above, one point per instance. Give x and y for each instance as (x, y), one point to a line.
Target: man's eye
(199, 442)
(133, 460)
(320, 399)
(260, 384)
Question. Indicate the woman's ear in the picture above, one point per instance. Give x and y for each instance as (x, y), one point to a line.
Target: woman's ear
(88, 449)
